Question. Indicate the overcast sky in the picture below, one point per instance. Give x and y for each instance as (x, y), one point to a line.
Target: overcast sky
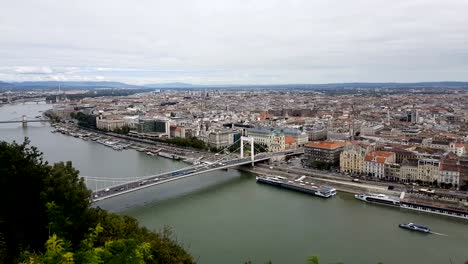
(234, 42)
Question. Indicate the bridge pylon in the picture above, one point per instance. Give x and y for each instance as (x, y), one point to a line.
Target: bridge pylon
(24, 121)
(251, 141)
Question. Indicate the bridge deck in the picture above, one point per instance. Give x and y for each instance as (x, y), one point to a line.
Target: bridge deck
(153, 180)
(27, 121)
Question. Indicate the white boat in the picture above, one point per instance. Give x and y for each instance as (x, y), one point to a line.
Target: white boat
(378, 198)
(326, 192)
(416, 227)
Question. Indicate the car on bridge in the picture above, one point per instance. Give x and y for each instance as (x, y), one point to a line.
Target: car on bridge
(143, 183)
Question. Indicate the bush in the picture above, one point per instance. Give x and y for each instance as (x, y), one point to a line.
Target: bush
(51, 219)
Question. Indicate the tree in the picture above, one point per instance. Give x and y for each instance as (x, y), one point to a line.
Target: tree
(123, 130)
(22, 171)
(312, 260)
(52, 216)
(84, 120)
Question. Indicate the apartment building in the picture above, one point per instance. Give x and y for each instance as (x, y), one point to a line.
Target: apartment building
(428, 170)
(374, 163)
(220, 139)
(324, 151)
(352, 159)
(269, 137)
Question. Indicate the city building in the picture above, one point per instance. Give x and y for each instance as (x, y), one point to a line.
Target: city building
(392, 171)
(412, 116)
(110, 122)
(409, 171)
(374, 163)
(220, 139)
(317, 134)
(457, 148)
(428, 170)
(150, 125)
(273, 140)
(323, 152)
(449, 174)
(352, 159)
(177, 131)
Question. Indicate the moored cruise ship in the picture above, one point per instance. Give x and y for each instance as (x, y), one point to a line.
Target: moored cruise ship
(378, 199)
(452, 208)
(309, 188)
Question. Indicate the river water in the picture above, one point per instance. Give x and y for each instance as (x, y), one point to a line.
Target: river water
(225, 217)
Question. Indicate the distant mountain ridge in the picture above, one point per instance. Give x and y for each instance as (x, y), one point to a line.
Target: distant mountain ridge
(170, 85)
(73, 84)
(4, 84)
(90, 85)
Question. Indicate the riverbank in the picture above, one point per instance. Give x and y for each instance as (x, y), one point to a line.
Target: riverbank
(260, 222)
(152, 148)
(342, 186)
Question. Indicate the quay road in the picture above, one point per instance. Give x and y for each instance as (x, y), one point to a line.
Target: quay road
(283, 167)
(152, 180)
(183, 152)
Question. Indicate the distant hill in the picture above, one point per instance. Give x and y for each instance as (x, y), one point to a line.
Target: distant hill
(75, 84)
(170, 85)
(65, 85)
(2, 84)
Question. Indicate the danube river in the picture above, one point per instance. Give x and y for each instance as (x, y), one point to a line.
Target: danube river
(225, 217)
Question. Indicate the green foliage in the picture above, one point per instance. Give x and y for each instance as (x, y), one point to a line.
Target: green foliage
(312, 260)
(52, 217)
(98, 93)
(123, 130)
(84, 120)
(187, 142)
(321, 165)
(50, 114)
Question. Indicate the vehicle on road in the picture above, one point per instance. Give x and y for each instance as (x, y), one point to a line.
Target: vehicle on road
(423, 190)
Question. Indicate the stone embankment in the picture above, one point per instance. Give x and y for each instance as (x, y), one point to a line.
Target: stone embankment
(341, 185)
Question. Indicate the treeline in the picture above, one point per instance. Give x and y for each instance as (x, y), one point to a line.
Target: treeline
(84, 120)
(97, 93)
(46, 217)
(187, 142)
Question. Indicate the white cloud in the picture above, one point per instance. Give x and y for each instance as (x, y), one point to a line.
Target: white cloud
(32, 70)
(263, 41)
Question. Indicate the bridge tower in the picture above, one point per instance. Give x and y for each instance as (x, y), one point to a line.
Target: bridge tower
(251, 141)
(24, 121)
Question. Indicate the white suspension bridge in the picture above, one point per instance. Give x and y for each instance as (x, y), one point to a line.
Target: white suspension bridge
(24, 120)
(119, 186)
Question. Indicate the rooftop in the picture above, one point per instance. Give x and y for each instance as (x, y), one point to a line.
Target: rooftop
(378, 156)
(326, 144)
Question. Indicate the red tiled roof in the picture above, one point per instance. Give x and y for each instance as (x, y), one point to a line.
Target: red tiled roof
(326, 144)
(289, 140)
(378, 156)
(449, 167)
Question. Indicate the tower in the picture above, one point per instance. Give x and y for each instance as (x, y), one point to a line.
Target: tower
(251, 141)
(24, 121)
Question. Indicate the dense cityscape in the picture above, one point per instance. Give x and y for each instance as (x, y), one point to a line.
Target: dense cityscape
(412, 138)
(234, 132)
